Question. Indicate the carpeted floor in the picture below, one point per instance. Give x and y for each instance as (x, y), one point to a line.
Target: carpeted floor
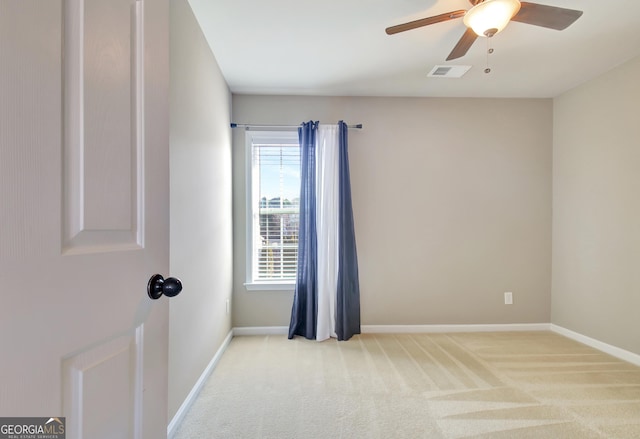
(463, 385)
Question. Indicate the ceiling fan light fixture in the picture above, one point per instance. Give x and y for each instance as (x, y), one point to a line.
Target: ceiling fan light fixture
(491, 16)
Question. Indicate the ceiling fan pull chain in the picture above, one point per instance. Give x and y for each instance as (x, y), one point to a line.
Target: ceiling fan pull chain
(489, 52)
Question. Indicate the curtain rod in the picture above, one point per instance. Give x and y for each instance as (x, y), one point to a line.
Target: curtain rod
(249, 126)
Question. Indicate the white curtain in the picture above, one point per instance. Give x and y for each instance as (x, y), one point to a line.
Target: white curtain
(328, 198)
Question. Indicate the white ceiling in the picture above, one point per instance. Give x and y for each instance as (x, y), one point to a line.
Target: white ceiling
(340, 48)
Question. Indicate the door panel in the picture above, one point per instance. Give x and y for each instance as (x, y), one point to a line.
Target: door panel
(107, 369)
(103, 139)
(84, 213)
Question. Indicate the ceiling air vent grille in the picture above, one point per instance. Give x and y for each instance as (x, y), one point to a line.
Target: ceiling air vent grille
(441, 71)
(448, 71)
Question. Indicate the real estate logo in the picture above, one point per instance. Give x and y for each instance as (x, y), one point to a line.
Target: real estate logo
(32, 428)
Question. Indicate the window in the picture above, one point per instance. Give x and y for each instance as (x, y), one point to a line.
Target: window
(273, 200)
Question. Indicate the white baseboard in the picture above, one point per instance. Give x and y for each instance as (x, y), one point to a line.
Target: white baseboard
(415, 329)
(191, 397)
(261, 330)
(405, 329)
(599, 345)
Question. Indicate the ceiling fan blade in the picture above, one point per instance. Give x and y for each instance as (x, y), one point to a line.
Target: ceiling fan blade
(467, 40)
(425, 22)
(550, 17)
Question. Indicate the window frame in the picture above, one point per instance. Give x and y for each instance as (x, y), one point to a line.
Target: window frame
(282, 136)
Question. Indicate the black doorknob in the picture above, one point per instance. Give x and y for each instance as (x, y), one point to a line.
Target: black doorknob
(158, 286)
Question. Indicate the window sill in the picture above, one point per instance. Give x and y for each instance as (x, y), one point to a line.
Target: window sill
(270, 286)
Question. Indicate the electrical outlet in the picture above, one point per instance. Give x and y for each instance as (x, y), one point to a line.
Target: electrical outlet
(508, 298)
(228, 306)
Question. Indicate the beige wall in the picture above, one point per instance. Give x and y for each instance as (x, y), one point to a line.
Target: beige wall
(201, 221)
(452, 205)
(596, 208)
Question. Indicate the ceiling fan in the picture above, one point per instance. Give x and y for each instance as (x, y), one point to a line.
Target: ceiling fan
(488, 17)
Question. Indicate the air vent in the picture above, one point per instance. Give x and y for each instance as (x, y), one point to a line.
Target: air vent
(441, 71)
(448, 71)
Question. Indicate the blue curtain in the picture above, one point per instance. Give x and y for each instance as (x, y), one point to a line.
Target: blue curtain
(305, 299)
(347, 291)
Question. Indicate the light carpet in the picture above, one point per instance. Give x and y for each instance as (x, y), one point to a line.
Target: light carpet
(459, 385)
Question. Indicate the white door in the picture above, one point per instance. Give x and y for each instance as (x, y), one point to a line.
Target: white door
(84, 213)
